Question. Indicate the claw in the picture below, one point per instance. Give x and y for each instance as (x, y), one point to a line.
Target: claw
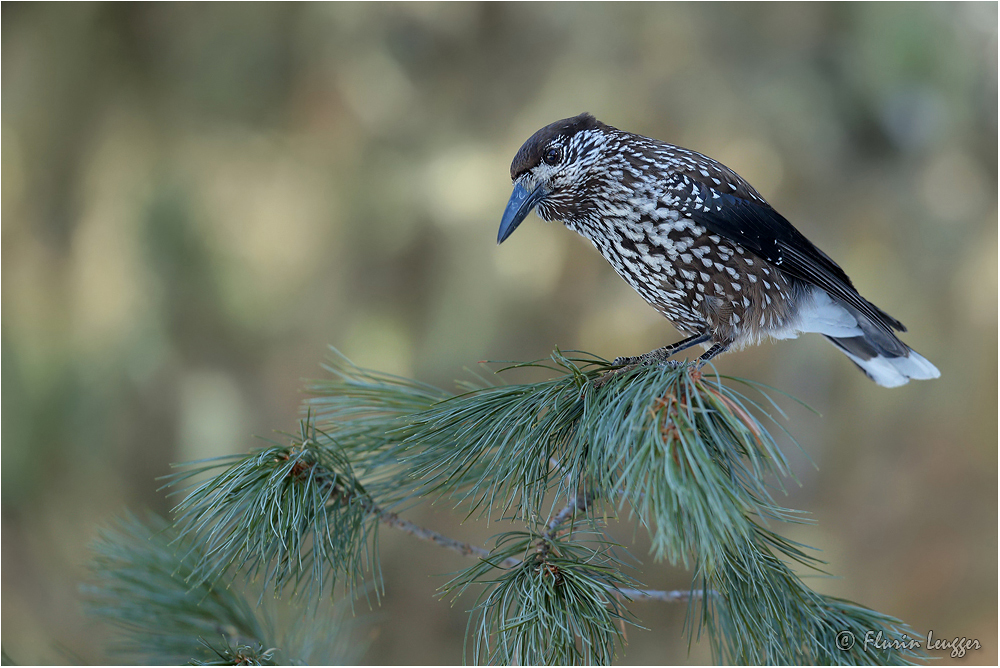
(643, 360)
(611, 373)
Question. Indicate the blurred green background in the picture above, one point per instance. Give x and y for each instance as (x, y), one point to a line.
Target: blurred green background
(199, 198)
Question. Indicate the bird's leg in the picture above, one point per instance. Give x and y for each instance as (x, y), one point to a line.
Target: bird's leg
(662, 354)
(716, 349)
(658, 356)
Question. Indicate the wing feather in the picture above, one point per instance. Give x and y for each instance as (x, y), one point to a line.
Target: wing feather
(757, 227)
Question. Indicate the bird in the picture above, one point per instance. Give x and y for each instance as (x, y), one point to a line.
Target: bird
(701, 246)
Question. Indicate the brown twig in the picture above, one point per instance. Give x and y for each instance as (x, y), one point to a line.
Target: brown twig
(580, 503)
(423, 533)
(667, 596)
(468, 550)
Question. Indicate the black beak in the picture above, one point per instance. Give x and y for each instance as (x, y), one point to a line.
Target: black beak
(520, 205)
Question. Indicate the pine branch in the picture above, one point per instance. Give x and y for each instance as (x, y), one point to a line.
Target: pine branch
(296, 515)
(580, 504)
(469, 550)
(244, 473)
(687, 454)
(139, 584)
(423, 533)
(561, 604)
(676, 596)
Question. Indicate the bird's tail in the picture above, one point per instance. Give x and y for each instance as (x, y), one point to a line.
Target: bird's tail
(876, 351)
(885, 369)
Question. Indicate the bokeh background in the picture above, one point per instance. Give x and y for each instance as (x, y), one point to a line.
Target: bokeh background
(199, 198)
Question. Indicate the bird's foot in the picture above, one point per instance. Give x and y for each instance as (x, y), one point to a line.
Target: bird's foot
(626, 364)
(643, 360)
(611, 373)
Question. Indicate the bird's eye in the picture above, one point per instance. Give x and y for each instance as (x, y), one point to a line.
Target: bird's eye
(552, 155)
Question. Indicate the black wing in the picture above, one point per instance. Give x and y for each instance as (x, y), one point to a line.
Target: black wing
(757, 227)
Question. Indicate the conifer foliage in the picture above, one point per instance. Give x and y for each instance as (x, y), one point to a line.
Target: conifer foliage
(685, 454)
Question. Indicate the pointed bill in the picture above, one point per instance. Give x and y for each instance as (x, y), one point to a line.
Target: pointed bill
(520, 205)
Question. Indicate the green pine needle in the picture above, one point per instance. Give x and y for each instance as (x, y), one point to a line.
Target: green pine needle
(557, 607)
(765, 614)
(139, 584)
(291, 515)
(239, 655)
(687, 453)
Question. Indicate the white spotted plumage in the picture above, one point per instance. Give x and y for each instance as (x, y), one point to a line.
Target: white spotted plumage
(701, 246)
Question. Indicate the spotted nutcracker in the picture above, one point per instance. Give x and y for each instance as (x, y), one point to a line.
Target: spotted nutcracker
(701, 246)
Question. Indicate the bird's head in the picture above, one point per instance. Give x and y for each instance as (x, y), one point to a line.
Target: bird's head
(550, 170)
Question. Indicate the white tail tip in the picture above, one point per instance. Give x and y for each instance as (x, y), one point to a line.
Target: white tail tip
(896, 371)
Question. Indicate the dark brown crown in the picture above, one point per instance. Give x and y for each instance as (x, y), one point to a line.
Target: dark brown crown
(530, 153)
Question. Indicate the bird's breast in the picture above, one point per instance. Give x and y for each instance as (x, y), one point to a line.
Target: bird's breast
(696, 279)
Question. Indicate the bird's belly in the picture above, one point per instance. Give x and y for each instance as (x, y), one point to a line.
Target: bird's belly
(677, 301)
(705, 283)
